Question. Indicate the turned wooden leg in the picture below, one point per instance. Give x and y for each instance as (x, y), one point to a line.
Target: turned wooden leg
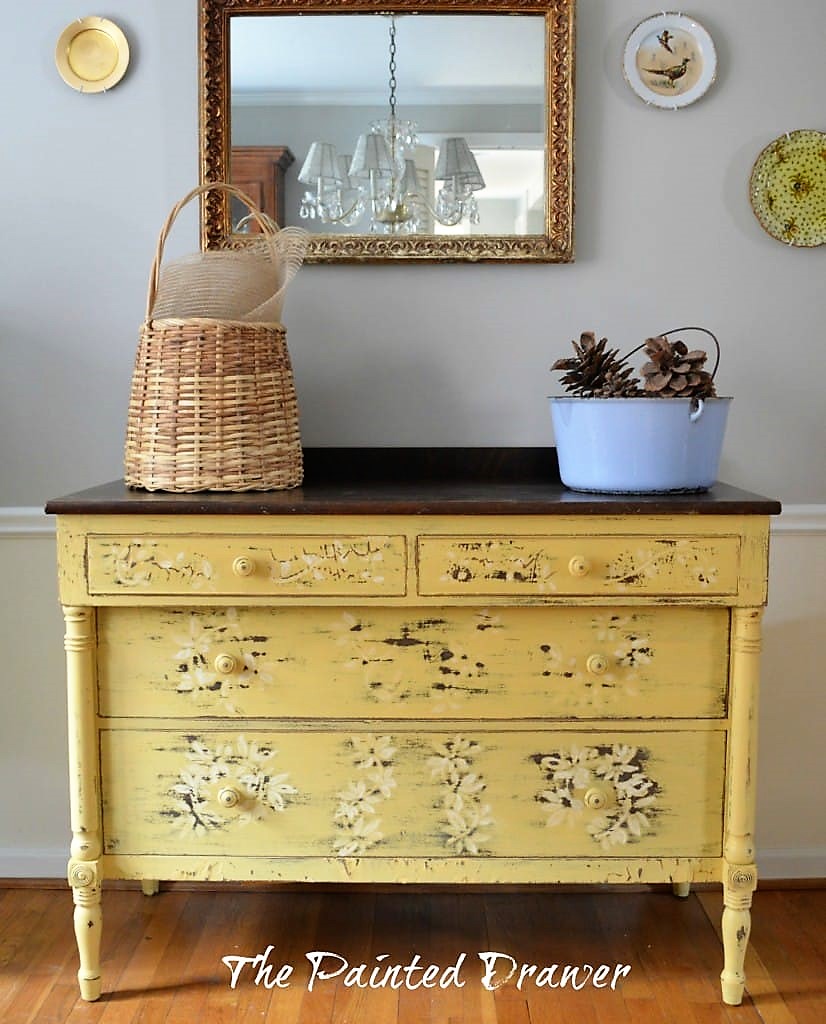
(84, 879)
(84, 866)
(681, 889)
(740, 873)
(737, 892)
(150, 886)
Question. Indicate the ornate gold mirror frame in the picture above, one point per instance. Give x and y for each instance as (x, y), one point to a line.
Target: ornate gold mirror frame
(555, 245)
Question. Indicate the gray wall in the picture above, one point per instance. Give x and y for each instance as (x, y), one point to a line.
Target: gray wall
(665, 237)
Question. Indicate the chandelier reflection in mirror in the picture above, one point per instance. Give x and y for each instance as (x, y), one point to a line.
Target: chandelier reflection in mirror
(381, 180)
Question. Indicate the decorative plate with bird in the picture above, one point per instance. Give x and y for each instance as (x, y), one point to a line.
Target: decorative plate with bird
(669, 60)
(788, 188)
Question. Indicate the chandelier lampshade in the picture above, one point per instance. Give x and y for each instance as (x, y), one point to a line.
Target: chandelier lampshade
(382, 178)
(322, 166)
(457, 163)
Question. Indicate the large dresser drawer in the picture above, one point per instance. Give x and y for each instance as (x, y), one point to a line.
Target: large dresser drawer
(335, 662)
(291, 566)
(537, 566)
(498, 793)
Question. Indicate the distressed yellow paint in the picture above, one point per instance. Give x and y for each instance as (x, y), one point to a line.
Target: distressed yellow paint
(476, 663)
(340, 565)
(413, 698)
(507, 565)
(425, 794)
(381, 870)
(740, 542)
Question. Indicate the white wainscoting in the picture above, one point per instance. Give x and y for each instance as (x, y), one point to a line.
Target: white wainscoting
(34, 838)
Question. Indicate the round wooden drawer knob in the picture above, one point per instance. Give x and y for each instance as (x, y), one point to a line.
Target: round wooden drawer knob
(597, 664)
(225, 664)
(579, 566)
(243, 566)
(229, 796)
(595, 799)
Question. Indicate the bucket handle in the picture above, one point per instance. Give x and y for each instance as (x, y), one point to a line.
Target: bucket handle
(680, 330)
(696, 411)
(266, 224)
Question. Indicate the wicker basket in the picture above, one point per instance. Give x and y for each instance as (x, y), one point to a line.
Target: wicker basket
(213, 404)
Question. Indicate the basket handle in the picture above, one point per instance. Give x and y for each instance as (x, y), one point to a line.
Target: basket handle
(265, 223)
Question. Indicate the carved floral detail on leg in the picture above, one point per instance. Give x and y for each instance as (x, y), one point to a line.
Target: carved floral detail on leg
(465, 815)
(500, 560)
(197, 643)
(356, 815)
(636, 568)
(84, 878)
(603, 788)
(138, 564)
(231, 785)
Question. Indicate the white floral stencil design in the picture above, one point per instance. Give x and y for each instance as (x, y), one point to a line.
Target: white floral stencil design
(636, 568)
(501, 560)
(197, 642)
(465, 815)
(359, 560)
(356, 814)
(230, 785)
(137, 564)
(627, 648)
(572, 772)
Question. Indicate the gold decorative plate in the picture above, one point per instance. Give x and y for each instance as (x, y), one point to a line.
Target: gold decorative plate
(788, 188)
(92, 54)
(669, 60)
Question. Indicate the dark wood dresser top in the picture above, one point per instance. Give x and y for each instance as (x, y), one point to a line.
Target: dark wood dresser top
(417, 481)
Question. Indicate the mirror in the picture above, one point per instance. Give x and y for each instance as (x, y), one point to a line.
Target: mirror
(297, 102)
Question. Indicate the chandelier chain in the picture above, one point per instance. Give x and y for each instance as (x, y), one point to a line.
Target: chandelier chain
(393, 68)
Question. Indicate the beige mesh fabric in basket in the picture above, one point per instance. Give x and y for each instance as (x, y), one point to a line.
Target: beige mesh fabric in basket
(246, 284)
(213, 403)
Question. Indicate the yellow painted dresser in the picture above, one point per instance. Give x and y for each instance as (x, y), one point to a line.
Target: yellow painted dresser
(419, 667)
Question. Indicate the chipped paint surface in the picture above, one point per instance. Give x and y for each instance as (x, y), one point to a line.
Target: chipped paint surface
(603, 789)
(233, 783)
(413, 699)
(294, 565)
(404, 663)
(474, 793)
(357, 815)
(544, 565)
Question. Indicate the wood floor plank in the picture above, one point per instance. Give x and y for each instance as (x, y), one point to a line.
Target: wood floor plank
(31, 953)
(24, 911)
(343, 926)
(270, 921)
(160, 917)
(162, 956)
(761, 984)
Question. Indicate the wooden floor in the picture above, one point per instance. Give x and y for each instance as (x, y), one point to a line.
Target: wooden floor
(162, 957)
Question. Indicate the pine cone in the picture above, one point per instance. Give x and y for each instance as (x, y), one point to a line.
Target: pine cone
(674, 371)
(595, 371)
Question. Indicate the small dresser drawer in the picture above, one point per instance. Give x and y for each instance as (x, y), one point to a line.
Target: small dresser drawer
(291, 566)
(539, 566)
(429, 663)
(431, 794)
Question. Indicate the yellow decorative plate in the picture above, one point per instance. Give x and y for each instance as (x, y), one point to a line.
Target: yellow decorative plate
(92, 54)
(788, 188)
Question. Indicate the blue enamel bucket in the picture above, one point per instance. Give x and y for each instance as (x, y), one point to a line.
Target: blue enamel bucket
(639, 445)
